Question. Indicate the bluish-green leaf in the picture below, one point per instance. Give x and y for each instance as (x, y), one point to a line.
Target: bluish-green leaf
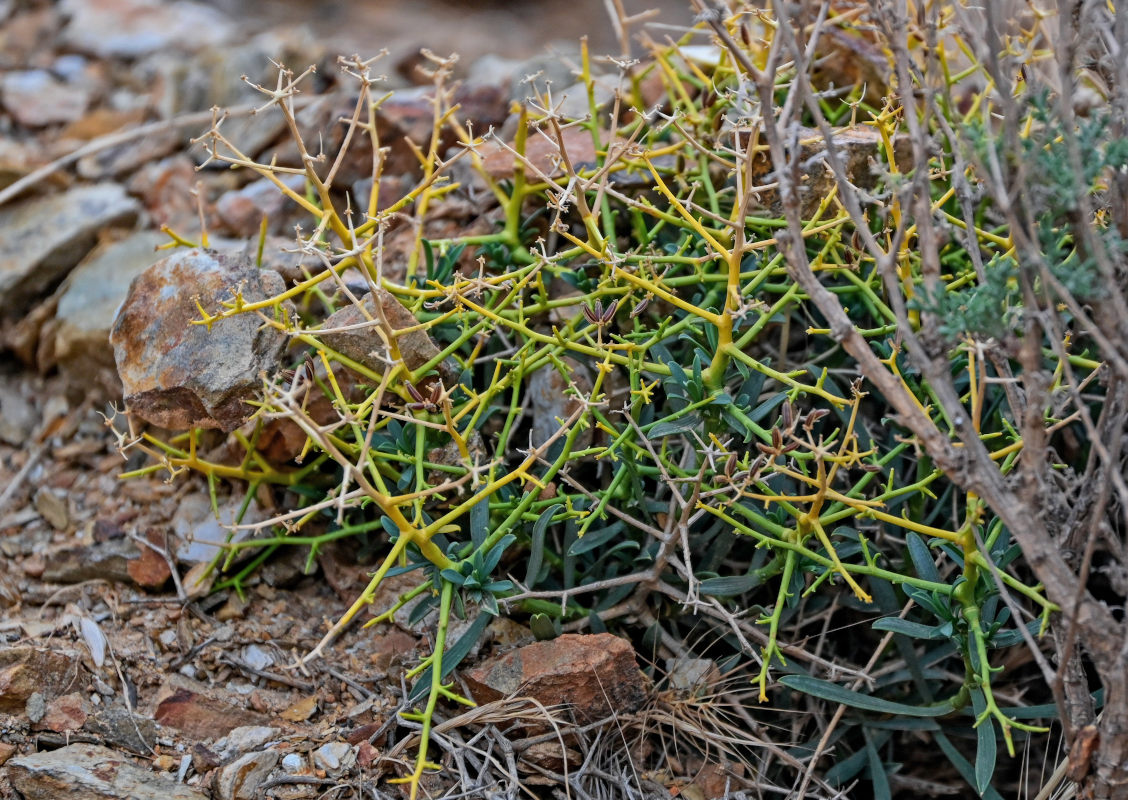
(961, 764)
(922, 558)
(480, 521)
(913, 630)
(826, 690)
(491, 559)
(536, 545)
(728, 585)
(880, 780)
(689, 422)
(593, 539)
(452, 656)
(986, 751)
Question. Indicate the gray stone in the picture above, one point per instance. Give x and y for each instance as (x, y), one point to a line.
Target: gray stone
(116, 725)
(108, 561)
(132, 28)
(90, 772)
(241, 779)
(180, 375)
(36, 98)
(18, 419)
(94, 292)
(292, 763)
(43, 238)
(244, 739)
(36, 707)
(334, 757)
(200, 535)
(691, 675)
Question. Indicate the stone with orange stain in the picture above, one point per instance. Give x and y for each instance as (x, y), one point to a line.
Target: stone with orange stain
(178, 374)
(592, 675)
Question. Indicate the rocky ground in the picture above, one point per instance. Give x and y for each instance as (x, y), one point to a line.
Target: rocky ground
(119, 675)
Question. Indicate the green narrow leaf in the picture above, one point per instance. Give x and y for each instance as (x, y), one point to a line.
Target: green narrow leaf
(986, 751)
(536, 546)
(881, 790)
(453, 655)
(593, 539)
(491, 559)
(689, 422)
(729, 585)
(848, 697)
(480, 522)
(922, 558)
(911, 629)
(962, 766)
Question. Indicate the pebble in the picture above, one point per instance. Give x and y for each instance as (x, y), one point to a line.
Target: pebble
(244, 739)
(257, 657)
(334, 757)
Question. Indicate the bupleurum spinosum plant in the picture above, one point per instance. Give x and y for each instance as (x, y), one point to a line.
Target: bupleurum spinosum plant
(783, 321)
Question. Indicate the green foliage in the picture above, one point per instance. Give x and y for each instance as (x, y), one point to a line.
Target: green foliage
(713, 450)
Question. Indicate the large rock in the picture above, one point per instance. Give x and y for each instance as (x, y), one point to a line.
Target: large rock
(132, 28)
(115, 560)
(179, 375)
(43, 238)
(37, 98)
(364, 344)
(199, 712)
(94, 292)
(25, 671)
(240, 780)
(593, 675)
(90, 772)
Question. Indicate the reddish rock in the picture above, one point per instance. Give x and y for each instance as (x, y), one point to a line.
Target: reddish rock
(179, 375)
(27, 670)
(242, 210)
(149, 570)
(542, 152)
(365, 345)
(65, 714)
(595, 675)
(90, 772)
(199, 713)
